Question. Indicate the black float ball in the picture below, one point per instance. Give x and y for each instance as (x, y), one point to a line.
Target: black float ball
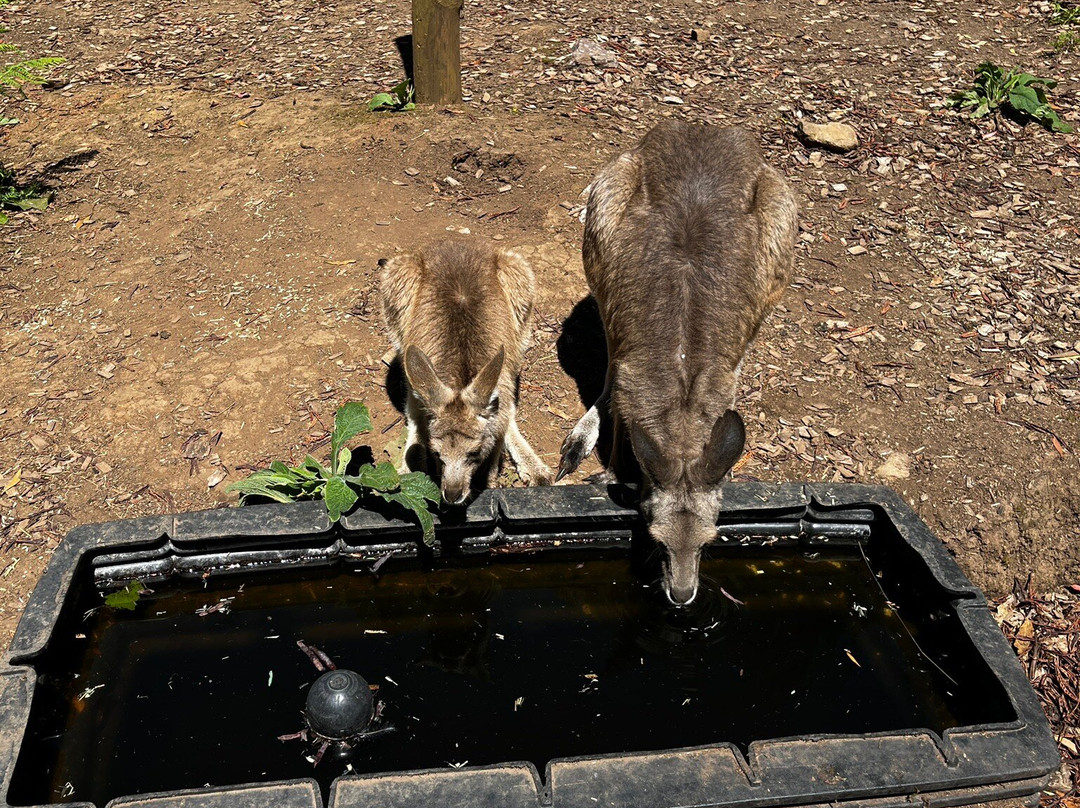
(339, 705)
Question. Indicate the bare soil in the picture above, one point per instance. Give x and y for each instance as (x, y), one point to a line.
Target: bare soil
(222, 196)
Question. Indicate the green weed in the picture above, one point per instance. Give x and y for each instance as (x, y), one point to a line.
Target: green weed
(1066, 41)
(14, 75)
(399, 99)
(14, 196)
(1015, 90)
(335, 486)
(1065, 15)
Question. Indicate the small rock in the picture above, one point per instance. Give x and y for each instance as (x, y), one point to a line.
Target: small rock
(897, 467)
(586, 53)
(837, 136)
(1061, 780)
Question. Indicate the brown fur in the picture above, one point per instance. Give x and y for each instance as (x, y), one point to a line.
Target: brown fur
(688, 246)
(458, 314)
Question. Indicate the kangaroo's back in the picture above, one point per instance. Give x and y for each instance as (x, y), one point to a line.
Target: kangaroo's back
(687, 248)
(459, 301)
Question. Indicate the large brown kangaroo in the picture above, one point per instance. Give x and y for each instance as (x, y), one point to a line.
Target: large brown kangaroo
(688, 245)
(458, 314)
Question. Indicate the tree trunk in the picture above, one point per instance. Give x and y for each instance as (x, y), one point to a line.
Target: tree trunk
(437, 51)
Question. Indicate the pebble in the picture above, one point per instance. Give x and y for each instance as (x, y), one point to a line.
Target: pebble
(586, 53)
(836, 136)
(896, 467)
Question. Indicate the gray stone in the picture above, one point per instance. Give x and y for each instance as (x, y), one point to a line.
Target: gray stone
(586, 53)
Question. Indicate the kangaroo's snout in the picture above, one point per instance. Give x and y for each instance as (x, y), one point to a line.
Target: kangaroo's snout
(681, 577)
(454, 492)
(680, 597)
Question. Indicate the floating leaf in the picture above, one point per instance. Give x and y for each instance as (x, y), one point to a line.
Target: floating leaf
(127, 597)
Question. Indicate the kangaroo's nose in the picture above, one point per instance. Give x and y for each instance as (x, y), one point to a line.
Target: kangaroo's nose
(454, 495)
(680, 597)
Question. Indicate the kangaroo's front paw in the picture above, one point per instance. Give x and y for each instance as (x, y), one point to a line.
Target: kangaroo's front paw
(579, 443)
(536, 473)
(574, 451)
(604, 477)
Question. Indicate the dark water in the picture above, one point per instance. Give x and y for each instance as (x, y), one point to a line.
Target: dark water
(518, 658)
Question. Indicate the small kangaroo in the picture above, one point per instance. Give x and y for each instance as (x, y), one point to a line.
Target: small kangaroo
(688, 245)
(458, 315)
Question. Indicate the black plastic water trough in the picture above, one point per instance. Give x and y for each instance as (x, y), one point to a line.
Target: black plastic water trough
(838, 655)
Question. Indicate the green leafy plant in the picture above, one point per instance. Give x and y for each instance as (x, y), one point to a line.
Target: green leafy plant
(1068, 16)
(15, 73)
(127, 597)
(339, 489)
(399, 99)
(1021, 92)
(13, 196)
(1066, 41)
(1065, 15)
(27, 71)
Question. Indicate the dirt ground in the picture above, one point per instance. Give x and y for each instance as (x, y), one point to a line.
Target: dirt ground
(222, 196)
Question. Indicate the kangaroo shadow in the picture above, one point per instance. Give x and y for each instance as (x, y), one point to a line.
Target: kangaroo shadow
(582, 353)
(65, 165)
(396, 387)
(582, 349)
(45, 181)
(397, 391)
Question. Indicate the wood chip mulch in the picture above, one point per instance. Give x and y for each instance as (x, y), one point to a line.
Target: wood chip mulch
(1045, 631)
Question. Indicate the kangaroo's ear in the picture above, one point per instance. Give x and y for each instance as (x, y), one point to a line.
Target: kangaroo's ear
(423, 379)
(723, 449)
(650, 456)
(483, 390)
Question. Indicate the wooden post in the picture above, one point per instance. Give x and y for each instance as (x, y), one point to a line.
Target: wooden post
(437, 51)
